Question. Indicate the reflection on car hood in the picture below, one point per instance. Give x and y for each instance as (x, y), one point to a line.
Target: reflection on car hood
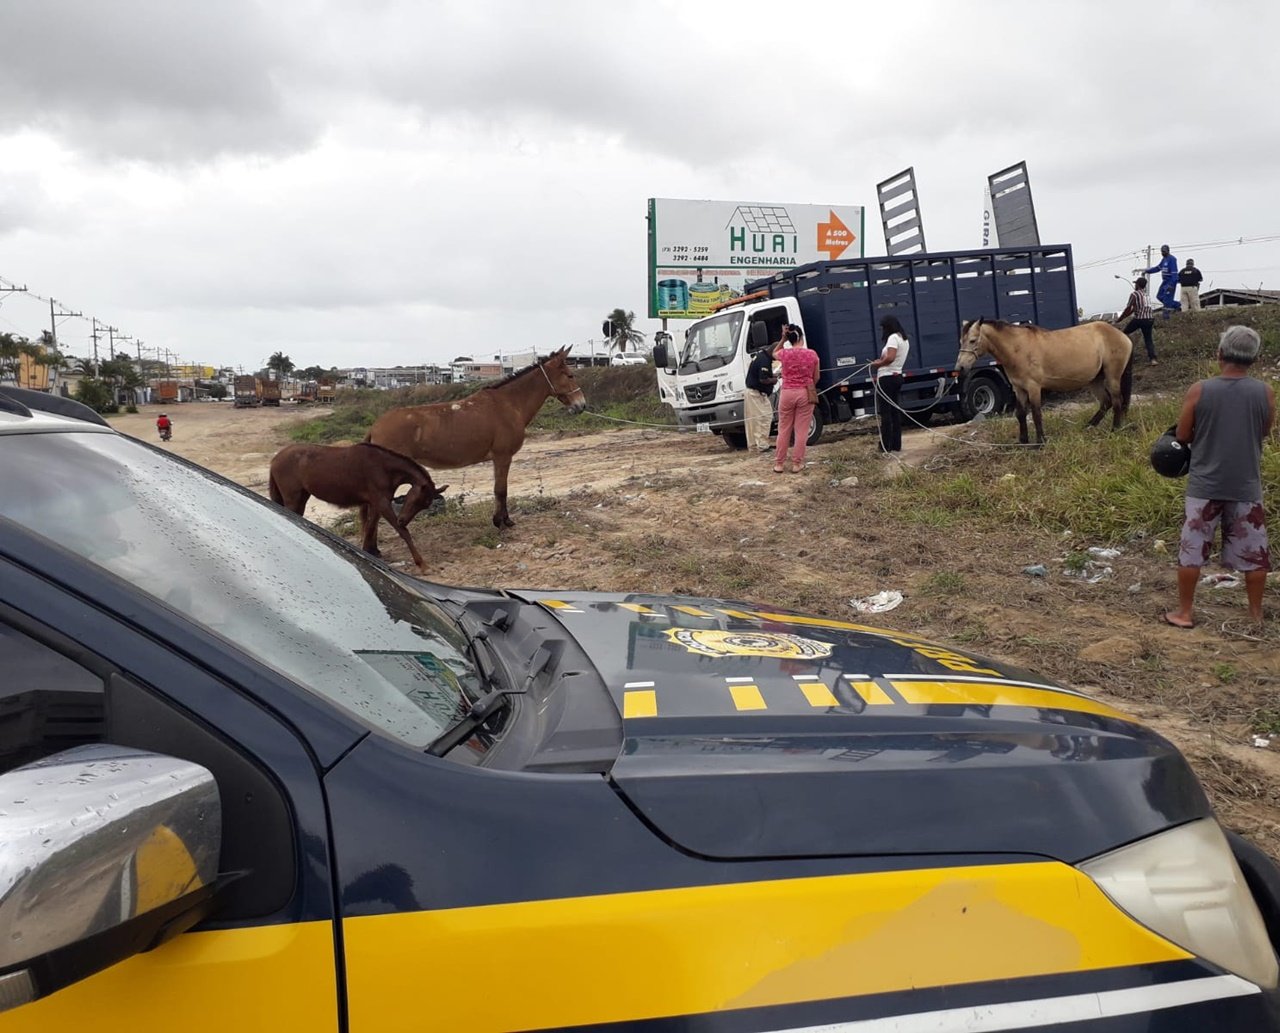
(752, 732)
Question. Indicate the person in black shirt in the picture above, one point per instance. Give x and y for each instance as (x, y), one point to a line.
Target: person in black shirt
(757, 401)
(1189, 280)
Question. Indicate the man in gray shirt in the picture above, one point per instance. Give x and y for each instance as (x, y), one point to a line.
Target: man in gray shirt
(1226, 419)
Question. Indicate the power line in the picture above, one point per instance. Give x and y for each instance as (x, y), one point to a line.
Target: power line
(1205, 245)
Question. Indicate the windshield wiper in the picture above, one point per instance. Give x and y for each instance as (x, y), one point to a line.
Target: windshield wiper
(496, 698)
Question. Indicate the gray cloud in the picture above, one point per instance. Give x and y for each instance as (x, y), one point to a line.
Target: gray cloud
(156, 81)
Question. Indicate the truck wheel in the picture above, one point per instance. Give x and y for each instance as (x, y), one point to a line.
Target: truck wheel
(985, 395)
(735, 439)
(816, 423)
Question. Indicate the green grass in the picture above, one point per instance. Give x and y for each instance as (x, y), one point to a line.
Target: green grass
(947, 582)
(1096, 484)
(1266, 722)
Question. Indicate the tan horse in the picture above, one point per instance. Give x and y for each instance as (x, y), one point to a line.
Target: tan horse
(488, 424)
(1093, 355)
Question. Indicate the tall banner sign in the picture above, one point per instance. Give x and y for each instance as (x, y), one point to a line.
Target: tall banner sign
(702, 253)
(990, 235)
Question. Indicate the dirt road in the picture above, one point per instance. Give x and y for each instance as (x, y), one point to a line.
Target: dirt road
(655, 511)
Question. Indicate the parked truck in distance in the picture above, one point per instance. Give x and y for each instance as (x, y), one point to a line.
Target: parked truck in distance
(269, 391)
(166, 392)
(839, 305)
(246, 392)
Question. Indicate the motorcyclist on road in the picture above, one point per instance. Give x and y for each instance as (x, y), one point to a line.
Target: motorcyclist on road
(165, 426)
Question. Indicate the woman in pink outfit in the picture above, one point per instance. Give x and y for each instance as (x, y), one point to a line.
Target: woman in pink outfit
(799, 370)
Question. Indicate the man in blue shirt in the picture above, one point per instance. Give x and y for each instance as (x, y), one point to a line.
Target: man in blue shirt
(1167, 267)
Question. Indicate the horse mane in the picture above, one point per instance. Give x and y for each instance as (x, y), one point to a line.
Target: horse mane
(495, 384)
(398, 455)
(1000, 324)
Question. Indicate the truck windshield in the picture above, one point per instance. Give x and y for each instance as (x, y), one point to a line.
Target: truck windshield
(277, 589)
(712, 342)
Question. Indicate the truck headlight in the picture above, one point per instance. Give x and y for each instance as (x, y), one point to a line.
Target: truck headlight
(1185, 885)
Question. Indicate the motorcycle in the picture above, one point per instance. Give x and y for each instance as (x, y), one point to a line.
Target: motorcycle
(166, 433)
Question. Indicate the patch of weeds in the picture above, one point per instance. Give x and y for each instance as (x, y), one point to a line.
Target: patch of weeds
(1151, 661)
(1266, 722)
(736, 584)
(536, 504)
(347, 525)
(690, 566)
(970, 633)
(1076, 562)
(1225, 673)
(931, 516)
(489, 538)
(947, 582)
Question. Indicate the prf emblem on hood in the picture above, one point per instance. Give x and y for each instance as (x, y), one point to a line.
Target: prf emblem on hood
(713, 642)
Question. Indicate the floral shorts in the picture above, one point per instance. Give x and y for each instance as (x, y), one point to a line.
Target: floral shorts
(1244, 534)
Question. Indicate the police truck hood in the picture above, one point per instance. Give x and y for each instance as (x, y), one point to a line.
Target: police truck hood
(817, 737)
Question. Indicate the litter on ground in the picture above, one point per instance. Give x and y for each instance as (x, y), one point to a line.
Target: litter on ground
(881, 602)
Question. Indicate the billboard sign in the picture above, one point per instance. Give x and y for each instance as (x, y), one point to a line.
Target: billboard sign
(702, 253)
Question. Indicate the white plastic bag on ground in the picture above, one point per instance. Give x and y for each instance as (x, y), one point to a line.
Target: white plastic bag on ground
(881, 602)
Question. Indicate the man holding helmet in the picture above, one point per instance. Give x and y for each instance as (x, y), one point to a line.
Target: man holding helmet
(1227, 417)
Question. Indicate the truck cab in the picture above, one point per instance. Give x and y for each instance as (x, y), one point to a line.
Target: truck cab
(706, 376)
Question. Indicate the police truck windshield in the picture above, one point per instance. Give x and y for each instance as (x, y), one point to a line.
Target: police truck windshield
(278, 589)
(712, 342)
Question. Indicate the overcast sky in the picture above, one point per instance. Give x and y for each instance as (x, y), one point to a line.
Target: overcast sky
(382, 182)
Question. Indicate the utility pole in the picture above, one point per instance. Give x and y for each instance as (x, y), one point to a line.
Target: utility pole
(95, 335)
(54, 316)
(111, 338)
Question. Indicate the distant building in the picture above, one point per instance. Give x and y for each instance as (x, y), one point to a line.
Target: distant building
(1220, 297)
(389, 378)
(464, 372)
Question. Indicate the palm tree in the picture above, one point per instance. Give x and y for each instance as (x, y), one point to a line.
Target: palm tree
(11, 346)
(281, 364)
(619, 330)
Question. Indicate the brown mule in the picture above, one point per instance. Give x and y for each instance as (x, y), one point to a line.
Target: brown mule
(1093, 355)
(489, 424)
(354, 475)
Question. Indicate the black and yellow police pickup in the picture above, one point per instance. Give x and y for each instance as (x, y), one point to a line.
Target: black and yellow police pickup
(306, 792)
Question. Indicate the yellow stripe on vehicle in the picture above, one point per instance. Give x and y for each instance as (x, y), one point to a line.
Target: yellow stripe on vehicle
(995, 694)
(822, 622)
(747, 697)
(693, 950)
(640, 703)
(818, 694)
(272, 977)
(637, 608)
(561, 605)
(693, 611)
(871, 693)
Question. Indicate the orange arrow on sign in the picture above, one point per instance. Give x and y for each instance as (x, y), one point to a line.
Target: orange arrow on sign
(834, 237)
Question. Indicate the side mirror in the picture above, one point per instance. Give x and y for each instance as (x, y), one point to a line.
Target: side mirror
(660, 355)
(759, 336)
(105, 852)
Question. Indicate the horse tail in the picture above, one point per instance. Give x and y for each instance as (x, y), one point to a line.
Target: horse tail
(277, 496)
(1126, 384)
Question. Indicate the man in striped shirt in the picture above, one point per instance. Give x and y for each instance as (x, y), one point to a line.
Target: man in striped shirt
(1140, 309)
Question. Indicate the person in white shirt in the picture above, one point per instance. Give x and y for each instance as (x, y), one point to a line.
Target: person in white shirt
(889, 382)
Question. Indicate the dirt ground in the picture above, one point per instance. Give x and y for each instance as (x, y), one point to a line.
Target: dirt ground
(651, 510)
